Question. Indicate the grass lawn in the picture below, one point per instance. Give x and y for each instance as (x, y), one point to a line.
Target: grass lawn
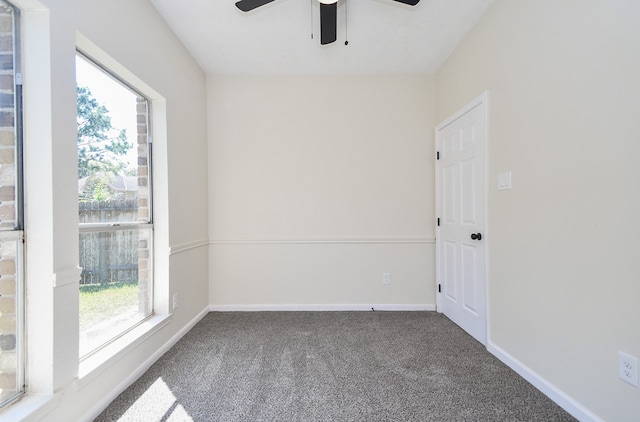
(100, 303)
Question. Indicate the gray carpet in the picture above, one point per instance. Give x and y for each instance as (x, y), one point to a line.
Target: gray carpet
(330, 366)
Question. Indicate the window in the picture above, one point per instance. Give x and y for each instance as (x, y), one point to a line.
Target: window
(114, 204)
(11, 235)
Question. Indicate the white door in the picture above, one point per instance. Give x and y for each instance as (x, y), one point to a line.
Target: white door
(461, 235)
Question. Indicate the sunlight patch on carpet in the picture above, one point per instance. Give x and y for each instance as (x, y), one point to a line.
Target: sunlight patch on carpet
(156, 404)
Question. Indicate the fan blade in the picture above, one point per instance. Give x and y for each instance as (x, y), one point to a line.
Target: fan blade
(247, 5)
(409, 2)
(328, 23)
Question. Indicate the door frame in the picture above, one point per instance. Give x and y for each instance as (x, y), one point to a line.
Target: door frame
(482, 101)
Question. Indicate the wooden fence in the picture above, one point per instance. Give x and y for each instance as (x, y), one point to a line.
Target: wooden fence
(109, 256)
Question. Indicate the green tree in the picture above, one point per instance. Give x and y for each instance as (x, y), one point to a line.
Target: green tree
(97, 187)
(99, 151)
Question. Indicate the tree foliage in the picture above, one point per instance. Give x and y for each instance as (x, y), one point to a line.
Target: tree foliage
(100, 146)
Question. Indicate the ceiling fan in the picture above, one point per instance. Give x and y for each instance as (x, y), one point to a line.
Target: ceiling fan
(328, 15)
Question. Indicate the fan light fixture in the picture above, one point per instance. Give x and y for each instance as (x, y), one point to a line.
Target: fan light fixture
(328, 15)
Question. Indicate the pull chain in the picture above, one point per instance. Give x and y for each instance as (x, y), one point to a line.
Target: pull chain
(346, 24)
(311, 12)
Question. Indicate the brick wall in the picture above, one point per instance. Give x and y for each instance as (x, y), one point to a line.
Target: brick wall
(8, 248)
(7, 127)
(144, 240)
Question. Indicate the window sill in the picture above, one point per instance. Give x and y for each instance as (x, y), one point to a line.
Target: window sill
(30, 407)
(91, 367)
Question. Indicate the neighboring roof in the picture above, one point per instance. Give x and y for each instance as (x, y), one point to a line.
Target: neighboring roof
(117, 183)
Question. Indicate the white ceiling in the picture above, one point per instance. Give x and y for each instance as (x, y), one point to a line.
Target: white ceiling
(384, 36)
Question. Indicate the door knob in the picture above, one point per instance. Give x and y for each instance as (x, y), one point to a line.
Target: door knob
(476, 236)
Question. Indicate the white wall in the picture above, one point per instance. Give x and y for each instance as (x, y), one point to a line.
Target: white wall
(318, 185)
(563, 258)
(131, 37)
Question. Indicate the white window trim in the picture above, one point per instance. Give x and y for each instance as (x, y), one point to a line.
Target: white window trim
(96, 363)
(110, 351)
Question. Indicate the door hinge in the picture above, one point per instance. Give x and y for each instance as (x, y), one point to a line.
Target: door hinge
(437, 155)
(439, 288)
(438, 221)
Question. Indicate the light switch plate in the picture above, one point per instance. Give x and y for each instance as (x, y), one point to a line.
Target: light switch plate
(504, 180)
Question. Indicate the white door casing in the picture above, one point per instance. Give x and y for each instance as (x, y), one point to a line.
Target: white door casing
(461, 210)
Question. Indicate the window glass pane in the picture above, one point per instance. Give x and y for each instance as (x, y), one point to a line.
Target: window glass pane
(113, 187)
(115, 288)
(113, 154)
(11, 241)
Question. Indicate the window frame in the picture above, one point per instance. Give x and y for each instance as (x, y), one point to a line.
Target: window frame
(16, 233)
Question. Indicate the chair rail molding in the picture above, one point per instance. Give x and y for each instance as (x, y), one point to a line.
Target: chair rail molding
(327, 240)
(187, 246)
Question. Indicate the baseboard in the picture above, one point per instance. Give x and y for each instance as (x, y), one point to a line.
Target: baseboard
(102, 404)
(563, 400)
(323, 307)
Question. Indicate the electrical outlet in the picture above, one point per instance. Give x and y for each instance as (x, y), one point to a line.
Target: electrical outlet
(504, 180)
(386, 278)
(628, 368)
(175, 300)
